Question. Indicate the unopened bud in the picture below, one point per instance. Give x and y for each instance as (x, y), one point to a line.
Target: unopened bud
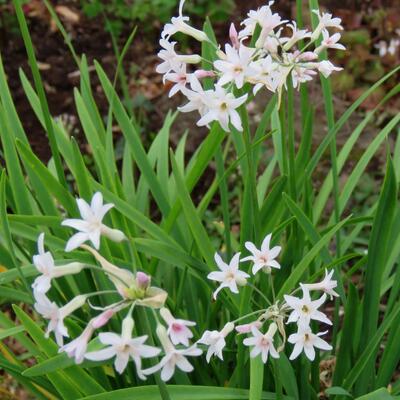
(142, 280)
(127, 327)
(233, 35)
(102, 319)
(202, 73)
(228, 328)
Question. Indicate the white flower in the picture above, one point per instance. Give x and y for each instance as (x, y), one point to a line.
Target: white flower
(330, 42)
(235, 66)
(263, 258)
(305, 340)
(264, 74)
(178, 329)
(90, 227)
(172, 60)
(124, 347)
(216, 341)
(169, 57)
(230, 276)
(305, 309)
(49, 310)
(196, 96)
(246, 328)
(178, 24)
(325, 21)
(77, 347)
(326, 285)
(44, 263)
(173, 357)
(325, 67)
(263, 17)
(263, 343)
(301, 74)
(222, 108)
(180, 77)
(297, 34)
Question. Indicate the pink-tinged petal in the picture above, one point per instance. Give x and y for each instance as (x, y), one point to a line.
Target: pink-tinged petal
(273, 264)
(100, 355)
(266, 242)
(167, 371)
(255, 351)
(183, 364)
(264, 355)
(274, 252)
(121, 361)
(256, 267)
(252, 248)
(248, 258)
(110, 338)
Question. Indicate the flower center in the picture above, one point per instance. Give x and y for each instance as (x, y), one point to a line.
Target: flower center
(176, 327)
(305, 309)
(306, 337)
(238, 69)
(224, 106)
(230, 275)
(264, 342)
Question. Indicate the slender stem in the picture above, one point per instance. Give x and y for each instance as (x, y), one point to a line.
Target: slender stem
(271, 282)
(259, 292)
(249, 315)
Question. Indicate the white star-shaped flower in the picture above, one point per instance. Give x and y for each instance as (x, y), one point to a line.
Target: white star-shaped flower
(123, 347)
(235, 67)
(56, 315)
(173, 357)
(305, 309)
(229, 275)
(90, 227)
(222, 108)
(263, 343)
(305, 340)
(325, 67)
(263, 258)
(215, 340)
(178, 329)
(326, 285)
(44, 263)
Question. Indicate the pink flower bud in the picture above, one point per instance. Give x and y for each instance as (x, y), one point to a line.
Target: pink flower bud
(202, 73)
(233, 35)
(142, 280)
(308, 56)
(102, 319)
(246, 328)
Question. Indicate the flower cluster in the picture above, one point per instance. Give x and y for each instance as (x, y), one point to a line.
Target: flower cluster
(133, 289)
(265, 53)
(390, 47)
(292, 310)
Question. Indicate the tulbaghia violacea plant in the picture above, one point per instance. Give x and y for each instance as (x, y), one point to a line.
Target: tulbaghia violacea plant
(267, 332)
(268, 52)
(133, 290)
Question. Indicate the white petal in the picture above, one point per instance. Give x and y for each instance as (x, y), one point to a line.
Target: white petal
(76, 240)
(183, 364)
(121, 361)
(100, 355)
(110, 338)
(298, 348)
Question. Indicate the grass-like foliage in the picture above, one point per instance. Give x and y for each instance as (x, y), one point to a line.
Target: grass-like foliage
(111, 267)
